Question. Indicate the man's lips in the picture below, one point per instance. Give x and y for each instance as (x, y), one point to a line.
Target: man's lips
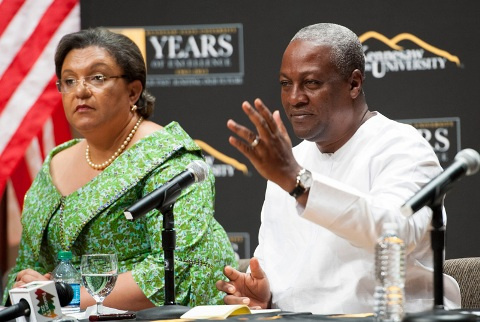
(300, 115)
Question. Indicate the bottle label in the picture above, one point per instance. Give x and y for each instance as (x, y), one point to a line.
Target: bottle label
(76, 294)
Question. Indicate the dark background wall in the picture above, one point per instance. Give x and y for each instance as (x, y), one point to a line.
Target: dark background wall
(449, 92)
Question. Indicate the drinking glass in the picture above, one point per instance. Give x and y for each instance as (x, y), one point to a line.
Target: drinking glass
(99, 274)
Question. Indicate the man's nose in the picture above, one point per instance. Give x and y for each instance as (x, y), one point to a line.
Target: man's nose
(297, 96)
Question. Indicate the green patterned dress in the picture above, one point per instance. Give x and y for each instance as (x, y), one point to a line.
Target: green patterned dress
(91, 220)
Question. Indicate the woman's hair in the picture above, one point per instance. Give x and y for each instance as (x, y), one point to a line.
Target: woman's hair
(125, 52)
(347, 52)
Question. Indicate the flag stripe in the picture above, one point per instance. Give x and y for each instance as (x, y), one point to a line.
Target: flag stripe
(20, 181)
(30, 105)
(33, 85)
(29, 128)
(61, 129)
(37, 151)
(32, 119)
(20, 29)
(33, 47)
(8, 8)
(34, 157)
(46, 140)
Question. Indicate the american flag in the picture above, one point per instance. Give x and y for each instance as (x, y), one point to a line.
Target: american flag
(31, 113)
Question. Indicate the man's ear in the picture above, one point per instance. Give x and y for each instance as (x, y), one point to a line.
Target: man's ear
(356, 83)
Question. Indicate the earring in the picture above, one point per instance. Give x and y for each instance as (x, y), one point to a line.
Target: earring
(134, 108)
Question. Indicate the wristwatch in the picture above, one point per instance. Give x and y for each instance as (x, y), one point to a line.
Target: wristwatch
(304, 182)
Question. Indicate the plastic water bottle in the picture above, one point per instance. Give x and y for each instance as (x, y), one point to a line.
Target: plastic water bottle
(389, 275)
(65, 272)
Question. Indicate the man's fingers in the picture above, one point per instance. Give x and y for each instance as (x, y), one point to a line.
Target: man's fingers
(238, 129)
(241, 131)
(231, 273)
(278, 121)
(266, 127)
(223, 286)
(258, 119)
(266, 114)
(246, 149)
(231, 299)
(255, 270)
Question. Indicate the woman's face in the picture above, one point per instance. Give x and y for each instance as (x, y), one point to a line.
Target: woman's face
(96, 107)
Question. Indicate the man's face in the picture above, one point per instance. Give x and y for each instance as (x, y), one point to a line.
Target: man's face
(315, 97)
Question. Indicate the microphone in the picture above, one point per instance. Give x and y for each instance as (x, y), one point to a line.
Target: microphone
(22, 308)
(466, 162)
(168, 193)
(39, 301)
(65, 293)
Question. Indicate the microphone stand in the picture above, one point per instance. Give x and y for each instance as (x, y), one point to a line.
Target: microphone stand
(170, 309)
(168, 244)
(438, 246)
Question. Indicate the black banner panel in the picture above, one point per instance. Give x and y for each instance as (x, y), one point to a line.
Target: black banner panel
(205, 58)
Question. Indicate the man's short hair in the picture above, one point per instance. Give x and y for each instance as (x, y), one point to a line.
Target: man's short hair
(347, 52)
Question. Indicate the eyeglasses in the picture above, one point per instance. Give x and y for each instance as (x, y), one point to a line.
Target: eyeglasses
(92, 82)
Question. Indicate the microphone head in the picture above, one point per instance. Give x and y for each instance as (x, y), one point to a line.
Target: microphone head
(471, 159)
(64, 292)
(199, 169)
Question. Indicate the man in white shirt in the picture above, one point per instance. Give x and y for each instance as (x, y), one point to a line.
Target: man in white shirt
(327, 199)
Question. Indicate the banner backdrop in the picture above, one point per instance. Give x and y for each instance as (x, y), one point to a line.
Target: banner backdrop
(206, 57)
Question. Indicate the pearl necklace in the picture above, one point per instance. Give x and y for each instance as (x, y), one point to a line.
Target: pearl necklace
(116, 154)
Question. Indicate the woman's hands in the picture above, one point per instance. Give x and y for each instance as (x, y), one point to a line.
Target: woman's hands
(29, 275)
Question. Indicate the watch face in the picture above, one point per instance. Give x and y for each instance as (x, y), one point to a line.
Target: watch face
(306, 179)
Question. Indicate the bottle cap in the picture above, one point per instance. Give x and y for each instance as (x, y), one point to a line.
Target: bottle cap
(65, 254)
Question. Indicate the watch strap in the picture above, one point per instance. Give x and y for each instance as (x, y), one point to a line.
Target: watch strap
(298, 191)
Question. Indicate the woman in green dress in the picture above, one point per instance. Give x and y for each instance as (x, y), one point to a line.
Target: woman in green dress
(78, 199)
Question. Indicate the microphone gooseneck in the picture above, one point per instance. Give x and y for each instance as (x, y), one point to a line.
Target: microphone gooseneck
(167, 194)
(466, 162)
